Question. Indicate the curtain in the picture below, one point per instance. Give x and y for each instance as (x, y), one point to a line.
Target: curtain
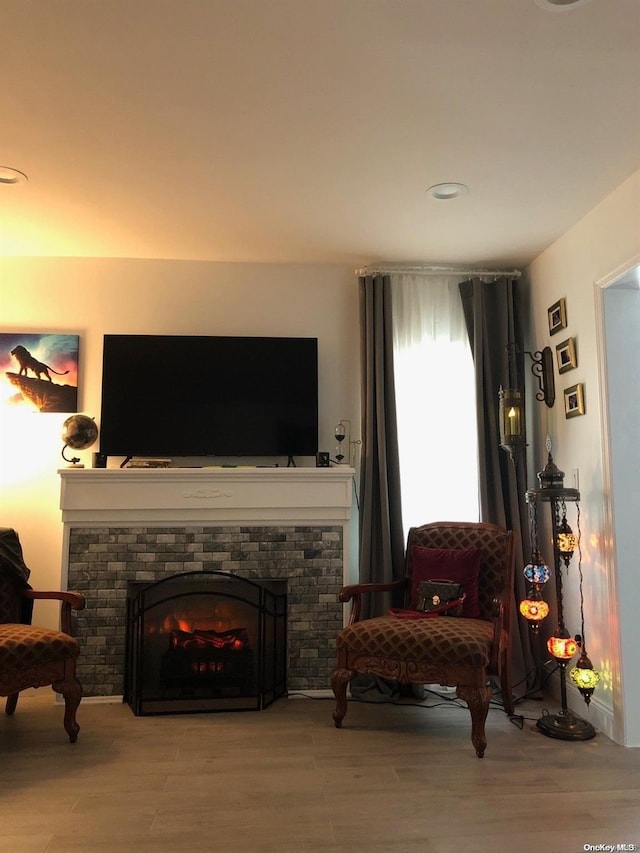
(381, 533)
(435, 400)
(494, 315)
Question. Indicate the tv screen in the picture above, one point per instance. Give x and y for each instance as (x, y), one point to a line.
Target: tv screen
(177, 395)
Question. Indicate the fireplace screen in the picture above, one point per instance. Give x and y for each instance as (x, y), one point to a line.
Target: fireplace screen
(205, 641)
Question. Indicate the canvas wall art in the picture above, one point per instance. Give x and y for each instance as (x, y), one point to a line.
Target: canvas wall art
(39, 371)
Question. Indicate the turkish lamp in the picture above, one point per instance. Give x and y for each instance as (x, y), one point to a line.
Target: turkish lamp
(536, 571)
(585, 677)
(511, 420)
(561, 646)
(534, 609)
(566, 542)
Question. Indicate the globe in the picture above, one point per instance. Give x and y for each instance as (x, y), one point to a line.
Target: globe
(78, 432)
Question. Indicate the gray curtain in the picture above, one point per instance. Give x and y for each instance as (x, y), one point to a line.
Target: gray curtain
(495, 314)
(381, 532)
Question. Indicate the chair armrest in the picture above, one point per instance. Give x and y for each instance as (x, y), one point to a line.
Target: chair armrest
(69, 601)
(74, 599)
(354, 593)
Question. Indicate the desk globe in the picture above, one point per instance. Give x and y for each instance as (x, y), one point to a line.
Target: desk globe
(78, 432)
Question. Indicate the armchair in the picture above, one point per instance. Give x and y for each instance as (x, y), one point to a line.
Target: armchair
(32, 656)
(464, 651)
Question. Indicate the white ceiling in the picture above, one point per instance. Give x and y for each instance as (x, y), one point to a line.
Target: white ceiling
(309, 130)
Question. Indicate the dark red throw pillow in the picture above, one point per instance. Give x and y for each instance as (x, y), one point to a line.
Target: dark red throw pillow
(454, 564)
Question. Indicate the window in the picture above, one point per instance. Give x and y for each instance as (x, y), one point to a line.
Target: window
(435, 399)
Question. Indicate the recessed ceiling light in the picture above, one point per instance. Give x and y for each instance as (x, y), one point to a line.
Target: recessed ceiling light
(11, 176)
(449, 189)
(560, 5)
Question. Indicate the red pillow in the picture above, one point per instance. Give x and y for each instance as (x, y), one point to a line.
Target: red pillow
(453, 564)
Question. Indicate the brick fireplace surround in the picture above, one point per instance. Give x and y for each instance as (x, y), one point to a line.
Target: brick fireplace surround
(124, 525)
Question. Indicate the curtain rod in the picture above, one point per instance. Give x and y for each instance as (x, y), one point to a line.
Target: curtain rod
(430, 269)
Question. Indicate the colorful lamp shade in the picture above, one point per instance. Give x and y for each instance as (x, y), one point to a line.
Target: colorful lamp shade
(566, 541)
(562, 647)
(536, 571)
(585, 677)
(534, 609)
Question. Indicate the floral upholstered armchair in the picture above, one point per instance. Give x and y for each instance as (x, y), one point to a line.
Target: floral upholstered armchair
(464, 651)
(32, 656)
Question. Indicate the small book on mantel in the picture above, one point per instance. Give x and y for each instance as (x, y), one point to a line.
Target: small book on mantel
(141, 462)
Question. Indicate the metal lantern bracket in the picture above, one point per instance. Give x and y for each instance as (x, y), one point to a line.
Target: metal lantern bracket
(542, 369)
(511, 400)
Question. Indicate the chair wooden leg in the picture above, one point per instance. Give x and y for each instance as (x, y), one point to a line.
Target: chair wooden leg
(71, 690)
(12, 701)
(340, 679)
(477, 698)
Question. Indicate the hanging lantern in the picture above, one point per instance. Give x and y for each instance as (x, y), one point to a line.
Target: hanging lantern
(536, 571)
(566, 541)
(561, 646)
(585, 677)
(534, 610)
(511, 421)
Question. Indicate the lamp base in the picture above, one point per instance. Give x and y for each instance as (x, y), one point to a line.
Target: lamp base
(565, 726)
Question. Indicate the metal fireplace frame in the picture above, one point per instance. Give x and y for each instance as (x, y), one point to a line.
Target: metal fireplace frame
(267, 597)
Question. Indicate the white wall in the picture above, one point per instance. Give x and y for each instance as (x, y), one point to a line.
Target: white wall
(604, 240)
(91, 297)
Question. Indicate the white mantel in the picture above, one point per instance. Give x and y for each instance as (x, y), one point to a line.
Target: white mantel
(105, 509)
(219, 495)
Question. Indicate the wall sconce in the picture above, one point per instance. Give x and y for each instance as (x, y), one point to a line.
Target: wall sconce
(513, 437)
(542, 369)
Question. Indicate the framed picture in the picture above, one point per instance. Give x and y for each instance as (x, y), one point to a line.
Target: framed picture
(574, 401)
(566, 355)
(39, 371)
(557, 316)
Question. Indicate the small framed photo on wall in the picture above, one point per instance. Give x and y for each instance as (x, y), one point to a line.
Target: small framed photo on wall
(574, 401)
(566, 355)
(557, 315)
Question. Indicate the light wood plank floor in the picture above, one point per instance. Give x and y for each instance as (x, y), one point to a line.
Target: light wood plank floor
(284, 780)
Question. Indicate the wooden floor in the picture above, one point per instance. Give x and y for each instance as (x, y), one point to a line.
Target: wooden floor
(394, 778)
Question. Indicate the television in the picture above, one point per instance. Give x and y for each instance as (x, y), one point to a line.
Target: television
(184, 396)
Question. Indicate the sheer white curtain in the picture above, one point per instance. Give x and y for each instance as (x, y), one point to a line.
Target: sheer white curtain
(435, 400)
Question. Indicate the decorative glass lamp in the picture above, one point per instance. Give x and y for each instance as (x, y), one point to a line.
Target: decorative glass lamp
(561, 645)
(566, 540)
(584, 676)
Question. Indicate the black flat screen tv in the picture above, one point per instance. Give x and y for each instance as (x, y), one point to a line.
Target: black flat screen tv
(180, 396)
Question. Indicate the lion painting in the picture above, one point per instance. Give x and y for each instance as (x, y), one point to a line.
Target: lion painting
(28, 362)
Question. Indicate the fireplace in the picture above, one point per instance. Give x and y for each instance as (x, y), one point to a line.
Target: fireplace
(143, 525)
(205, 641)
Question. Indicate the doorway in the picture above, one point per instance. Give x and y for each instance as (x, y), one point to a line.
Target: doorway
(618, 301)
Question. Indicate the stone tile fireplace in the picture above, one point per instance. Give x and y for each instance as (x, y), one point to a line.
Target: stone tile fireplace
(139, 525)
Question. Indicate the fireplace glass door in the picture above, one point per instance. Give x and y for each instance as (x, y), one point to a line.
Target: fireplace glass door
(205, 641)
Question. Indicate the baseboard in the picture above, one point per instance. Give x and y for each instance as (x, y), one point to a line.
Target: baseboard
(118, 700)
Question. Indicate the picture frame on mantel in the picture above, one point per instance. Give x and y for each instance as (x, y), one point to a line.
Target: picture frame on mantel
(566, 355)
(574, 401)
(557, 315)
